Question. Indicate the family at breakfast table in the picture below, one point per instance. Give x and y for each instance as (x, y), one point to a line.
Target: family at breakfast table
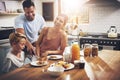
(27, 41)
(41, 52)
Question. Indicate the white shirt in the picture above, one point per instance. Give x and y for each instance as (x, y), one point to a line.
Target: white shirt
(31, 28)
(12, 62)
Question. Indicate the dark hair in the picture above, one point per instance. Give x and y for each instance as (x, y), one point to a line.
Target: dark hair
(27, 3)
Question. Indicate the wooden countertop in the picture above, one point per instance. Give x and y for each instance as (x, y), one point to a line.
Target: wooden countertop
(104, 67)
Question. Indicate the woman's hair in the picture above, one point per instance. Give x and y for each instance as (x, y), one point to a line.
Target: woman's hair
(16, 37)
(28, 3)
(65, 18)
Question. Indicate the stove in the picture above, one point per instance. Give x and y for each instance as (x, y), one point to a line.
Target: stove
(101, 41)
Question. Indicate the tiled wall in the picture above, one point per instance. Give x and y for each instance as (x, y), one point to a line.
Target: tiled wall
(101, 18)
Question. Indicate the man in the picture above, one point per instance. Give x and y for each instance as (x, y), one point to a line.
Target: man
(29, 24)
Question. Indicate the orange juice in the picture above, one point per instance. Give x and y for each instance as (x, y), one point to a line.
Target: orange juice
(75, 52)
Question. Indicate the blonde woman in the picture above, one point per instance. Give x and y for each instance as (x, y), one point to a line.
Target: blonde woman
(53, 40)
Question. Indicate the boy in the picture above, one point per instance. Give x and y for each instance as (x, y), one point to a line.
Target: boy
(15, 57)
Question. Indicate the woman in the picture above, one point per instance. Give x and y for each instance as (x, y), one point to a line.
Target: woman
(15, 57)
(53, 40)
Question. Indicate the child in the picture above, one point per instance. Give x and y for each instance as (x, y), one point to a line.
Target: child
(15, 57)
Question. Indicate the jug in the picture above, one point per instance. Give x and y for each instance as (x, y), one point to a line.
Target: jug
(67, 54)
(75, 50)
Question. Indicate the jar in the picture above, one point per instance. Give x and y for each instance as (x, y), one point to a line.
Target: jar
(87, 50)
(94, 50)
(75, 50)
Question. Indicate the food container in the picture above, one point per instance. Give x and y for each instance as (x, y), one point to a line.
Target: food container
(94, 50)
(75, 50)
(79, 64)
(87, 50)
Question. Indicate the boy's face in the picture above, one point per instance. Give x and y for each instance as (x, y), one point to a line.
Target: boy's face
(20, 46)
(22, 43)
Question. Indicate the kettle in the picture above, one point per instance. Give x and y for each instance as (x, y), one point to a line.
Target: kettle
(112, 32)
(112, 29)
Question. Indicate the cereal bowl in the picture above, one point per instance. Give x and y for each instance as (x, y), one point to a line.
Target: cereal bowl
(55, 70)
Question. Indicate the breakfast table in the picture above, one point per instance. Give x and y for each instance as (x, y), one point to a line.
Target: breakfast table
(105, 66)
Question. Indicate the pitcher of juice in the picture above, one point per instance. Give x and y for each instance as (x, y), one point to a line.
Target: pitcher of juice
(75, 50)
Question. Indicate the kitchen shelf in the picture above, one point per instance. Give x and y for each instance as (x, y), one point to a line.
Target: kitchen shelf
(9, 14)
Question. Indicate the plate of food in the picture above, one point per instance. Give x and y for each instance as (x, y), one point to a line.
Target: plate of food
(65, 65)
(39, 63)
(54, 57)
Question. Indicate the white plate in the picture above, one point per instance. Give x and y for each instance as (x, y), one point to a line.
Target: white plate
(70, 67)
(35, 63)
(54, 57)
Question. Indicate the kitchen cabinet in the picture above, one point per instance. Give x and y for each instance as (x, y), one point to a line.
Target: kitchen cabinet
(4, 48)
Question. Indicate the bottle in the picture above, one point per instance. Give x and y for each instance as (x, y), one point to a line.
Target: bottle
(75, 50)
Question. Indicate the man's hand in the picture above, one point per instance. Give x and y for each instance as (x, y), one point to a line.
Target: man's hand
(30, 48)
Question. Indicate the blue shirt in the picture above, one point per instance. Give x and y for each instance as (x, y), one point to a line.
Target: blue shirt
(31, 28)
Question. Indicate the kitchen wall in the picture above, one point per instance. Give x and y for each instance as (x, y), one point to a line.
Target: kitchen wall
(9, 19)
(100, 17)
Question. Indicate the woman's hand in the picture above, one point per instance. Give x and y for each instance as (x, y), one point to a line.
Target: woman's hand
(45, 53)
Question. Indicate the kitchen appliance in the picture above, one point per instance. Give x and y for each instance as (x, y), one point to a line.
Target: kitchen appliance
(5, 31)
(112, 32)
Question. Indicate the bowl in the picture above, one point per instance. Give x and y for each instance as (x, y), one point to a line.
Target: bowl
(55, 70)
